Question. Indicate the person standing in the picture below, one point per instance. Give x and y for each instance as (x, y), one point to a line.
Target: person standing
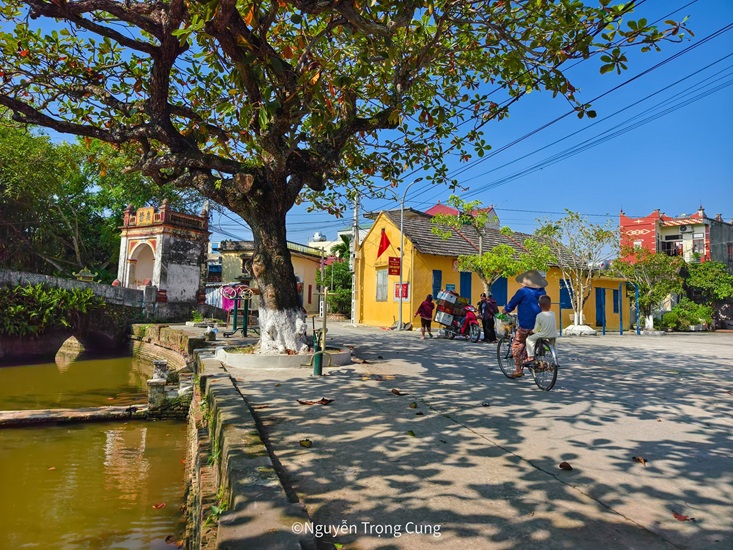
(487, 309)
(526, 301)
(425, 311)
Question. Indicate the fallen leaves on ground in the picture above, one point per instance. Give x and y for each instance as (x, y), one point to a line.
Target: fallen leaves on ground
(307, 443)
(565, 466)
(321, 401)
(639, 459)
(159, 506)
(358, 360)
(413, 405)
(410, 433)
(257, 407)
(419, 413)
(680, 517)
(51, 468)
(398, 392)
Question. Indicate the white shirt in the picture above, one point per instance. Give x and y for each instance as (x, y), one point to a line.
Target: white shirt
(545, 325)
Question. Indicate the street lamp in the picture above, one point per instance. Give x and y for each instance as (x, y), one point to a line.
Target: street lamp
(400, 326)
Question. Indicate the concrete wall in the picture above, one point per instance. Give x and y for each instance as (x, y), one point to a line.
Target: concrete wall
(111, 294)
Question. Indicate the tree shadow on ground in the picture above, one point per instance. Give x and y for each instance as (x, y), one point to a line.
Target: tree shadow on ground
(480, 463)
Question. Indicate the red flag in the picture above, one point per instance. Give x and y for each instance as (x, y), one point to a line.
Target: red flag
(383, 244)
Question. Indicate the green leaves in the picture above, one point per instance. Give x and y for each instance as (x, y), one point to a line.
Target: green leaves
(35, 309)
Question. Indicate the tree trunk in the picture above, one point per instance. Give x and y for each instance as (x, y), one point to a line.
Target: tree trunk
(649, 322)
(282, 321)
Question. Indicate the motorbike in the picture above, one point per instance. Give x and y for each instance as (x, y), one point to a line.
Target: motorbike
(471, 330)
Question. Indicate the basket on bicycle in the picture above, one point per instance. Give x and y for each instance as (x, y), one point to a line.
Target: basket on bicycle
(504, 324)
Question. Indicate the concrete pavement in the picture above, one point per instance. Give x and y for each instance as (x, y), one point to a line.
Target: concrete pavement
(479, 467)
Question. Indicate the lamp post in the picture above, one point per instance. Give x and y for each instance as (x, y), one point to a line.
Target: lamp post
(400, 326)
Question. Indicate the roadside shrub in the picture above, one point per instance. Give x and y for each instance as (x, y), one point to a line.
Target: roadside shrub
(687, 313)
(35, 309)
(339, 301)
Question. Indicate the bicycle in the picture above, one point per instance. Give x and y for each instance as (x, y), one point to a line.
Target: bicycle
(545, 365)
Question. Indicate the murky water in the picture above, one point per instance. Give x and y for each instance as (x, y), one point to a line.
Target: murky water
(89, 485)
(74, 384)
(92, 486)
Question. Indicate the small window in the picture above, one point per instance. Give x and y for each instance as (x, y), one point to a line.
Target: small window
(638, 244)
(381, 285)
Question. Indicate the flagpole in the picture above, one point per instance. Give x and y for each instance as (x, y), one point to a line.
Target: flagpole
(400, 326)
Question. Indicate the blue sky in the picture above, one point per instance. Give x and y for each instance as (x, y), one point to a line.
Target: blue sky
(674, 161)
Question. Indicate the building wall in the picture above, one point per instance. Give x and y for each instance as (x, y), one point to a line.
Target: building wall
(721, 243)
(306, 269)
(231, 266)
(640, 231)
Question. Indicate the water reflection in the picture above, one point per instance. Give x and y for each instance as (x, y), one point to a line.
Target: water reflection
(74, 382)
(92, 485)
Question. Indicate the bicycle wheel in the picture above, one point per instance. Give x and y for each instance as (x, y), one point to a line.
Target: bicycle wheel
(544, 368)
(475, 333)
(504, 355)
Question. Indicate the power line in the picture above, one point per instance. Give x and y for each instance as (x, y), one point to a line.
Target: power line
(561, 117)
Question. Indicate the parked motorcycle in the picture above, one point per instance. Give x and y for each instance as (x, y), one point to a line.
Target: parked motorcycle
(470, 329)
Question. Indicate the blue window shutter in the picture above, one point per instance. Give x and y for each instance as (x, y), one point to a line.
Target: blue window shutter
(465, 290)
(437, 281)
(499, 291)
(565, 302)
(615, 301)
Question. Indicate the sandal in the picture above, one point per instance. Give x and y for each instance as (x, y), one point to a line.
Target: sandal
(517, 375)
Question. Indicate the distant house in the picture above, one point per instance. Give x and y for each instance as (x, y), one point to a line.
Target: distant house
(694, 237)
(431, 264)
(236, 257)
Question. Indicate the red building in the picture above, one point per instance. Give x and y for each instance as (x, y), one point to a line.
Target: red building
(695, 237)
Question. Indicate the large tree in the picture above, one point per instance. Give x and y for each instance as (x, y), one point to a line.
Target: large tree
(258, 104)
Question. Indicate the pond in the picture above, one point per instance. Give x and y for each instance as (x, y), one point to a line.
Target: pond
(89, 485)
(72, 384)
(93, 485)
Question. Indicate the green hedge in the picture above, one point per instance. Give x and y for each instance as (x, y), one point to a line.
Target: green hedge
(687, 313)
(35, 309)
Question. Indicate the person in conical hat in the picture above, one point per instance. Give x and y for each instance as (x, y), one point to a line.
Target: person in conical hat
(526, 302)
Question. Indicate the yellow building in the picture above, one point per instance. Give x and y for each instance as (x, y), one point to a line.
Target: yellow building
(235, 257)
(430, 264)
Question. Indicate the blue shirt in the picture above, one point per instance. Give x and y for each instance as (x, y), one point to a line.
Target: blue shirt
(526, 300)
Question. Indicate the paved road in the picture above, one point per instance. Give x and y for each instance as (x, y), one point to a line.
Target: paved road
(479, 467)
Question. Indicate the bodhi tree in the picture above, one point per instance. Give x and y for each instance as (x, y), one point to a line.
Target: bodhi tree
(494, 257)
(259, 104)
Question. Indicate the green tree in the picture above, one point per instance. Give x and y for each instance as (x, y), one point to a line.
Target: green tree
(708, 283)
(656, 274)
(337, 277)
(261, 104)
(502, 260)
(342, 250)
(61, 204)
(580, 247)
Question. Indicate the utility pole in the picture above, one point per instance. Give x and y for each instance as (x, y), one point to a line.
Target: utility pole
(352, 259)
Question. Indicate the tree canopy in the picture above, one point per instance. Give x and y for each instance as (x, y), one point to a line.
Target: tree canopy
(61, 204)
(258, 104)
(656, 274)
(490, 263)
(708, 282)
(580, 247)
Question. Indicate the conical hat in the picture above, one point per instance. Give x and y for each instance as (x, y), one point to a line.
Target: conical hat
(532, 279)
